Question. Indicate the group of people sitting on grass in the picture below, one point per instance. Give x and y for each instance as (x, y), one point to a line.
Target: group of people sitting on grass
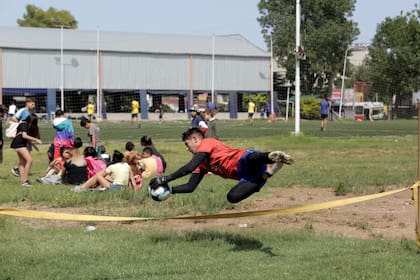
(126, 169)
(89, 172)
(88, 169)
(94, 169)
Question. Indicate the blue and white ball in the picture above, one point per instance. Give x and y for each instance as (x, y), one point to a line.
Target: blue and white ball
(161, 193)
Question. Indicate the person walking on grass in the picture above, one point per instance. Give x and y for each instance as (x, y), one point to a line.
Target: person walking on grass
(94, 135)
(196, 119)
(251, 168)
(90, 110)
(325, 109)
(20, 115)
(26, 132)
(210, 118)
(251, 110)
(12, 110)
(135, 106)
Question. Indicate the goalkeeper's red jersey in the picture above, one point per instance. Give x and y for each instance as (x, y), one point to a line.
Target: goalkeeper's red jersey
(223, 160)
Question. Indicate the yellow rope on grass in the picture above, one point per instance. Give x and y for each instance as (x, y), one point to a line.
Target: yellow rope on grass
(279, 211)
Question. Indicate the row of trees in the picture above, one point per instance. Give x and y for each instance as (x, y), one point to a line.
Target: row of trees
(393, 64)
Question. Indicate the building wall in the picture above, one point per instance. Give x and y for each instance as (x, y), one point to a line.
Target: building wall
(145, 71)
(42, 69)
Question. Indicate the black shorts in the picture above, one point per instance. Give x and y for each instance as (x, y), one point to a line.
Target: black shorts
(324, 116)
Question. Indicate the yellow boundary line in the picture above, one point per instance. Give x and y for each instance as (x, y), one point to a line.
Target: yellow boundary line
(280, 211)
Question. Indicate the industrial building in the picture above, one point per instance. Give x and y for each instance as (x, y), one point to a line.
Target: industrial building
(67, 68)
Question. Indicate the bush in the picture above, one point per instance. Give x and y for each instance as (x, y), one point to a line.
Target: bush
(310, 108)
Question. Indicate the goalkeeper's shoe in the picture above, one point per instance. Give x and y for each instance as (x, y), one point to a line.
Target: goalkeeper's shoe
(280, 157)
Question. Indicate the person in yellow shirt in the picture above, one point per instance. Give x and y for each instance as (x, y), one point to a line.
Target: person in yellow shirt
(90, 110)
(135, 113)
(251, 110)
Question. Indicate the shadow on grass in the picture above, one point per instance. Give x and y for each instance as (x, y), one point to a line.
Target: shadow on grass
(239, 242)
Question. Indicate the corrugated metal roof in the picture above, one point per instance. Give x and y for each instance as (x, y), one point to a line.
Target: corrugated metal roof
(50, 38)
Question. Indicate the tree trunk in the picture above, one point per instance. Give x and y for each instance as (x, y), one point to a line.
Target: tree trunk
(330, 85)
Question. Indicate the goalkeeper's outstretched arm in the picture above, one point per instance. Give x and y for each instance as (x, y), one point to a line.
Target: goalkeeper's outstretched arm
(184, 170)
(189, 167)
(190, 186)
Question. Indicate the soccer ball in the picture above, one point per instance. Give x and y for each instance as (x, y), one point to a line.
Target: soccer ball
(161, 193)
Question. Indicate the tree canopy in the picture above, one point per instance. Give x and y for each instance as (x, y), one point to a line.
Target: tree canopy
(326, 33)
(394, 63)
(51, 18)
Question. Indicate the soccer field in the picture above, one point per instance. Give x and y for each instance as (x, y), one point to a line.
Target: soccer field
(353, 157)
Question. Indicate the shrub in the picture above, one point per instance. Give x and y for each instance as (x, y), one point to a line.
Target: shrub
(310, 108)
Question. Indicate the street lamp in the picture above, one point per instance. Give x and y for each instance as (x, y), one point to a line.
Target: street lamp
(98, 78)
(342, 82)
(213, 48)
(62, 63)
(271, 77)
(297, 74)
(62, 68)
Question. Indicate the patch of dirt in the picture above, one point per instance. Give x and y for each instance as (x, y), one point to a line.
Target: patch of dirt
(389, 217)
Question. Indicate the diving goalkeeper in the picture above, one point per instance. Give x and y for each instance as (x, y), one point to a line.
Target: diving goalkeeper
(251, 168)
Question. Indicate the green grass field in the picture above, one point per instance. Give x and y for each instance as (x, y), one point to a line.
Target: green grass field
(359, 157)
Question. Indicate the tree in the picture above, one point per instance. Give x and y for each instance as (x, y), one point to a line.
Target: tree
(52, 18)
(394, 64)
(326, 33)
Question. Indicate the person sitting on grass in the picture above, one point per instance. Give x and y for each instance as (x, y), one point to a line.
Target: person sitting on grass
(75, 168)
(146, 141)
(136, 170)
(151, 164)
(115, 176)
(94, 164)
(129, 147)
(55, 168)
(105, 156)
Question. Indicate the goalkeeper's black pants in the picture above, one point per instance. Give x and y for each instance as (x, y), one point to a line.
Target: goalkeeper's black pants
(240, 191)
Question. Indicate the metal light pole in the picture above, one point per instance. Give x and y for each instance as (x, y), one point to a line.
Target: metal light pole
(212, 68)
(342, 82)
(297, 76)
(98, 79)
(62, 68)
(271, 76)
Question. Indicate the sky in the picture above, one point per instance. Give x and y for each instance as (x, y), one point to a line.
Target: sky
(191, 17)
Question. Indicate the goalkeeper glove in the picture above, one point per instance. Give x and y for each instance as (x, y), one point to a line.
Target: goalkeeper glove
(158, 181)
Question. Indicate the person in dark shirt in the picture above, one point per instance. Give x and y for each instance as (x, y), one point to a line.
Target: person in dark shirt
(75, 169)
(26, 133)
(251, 168)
